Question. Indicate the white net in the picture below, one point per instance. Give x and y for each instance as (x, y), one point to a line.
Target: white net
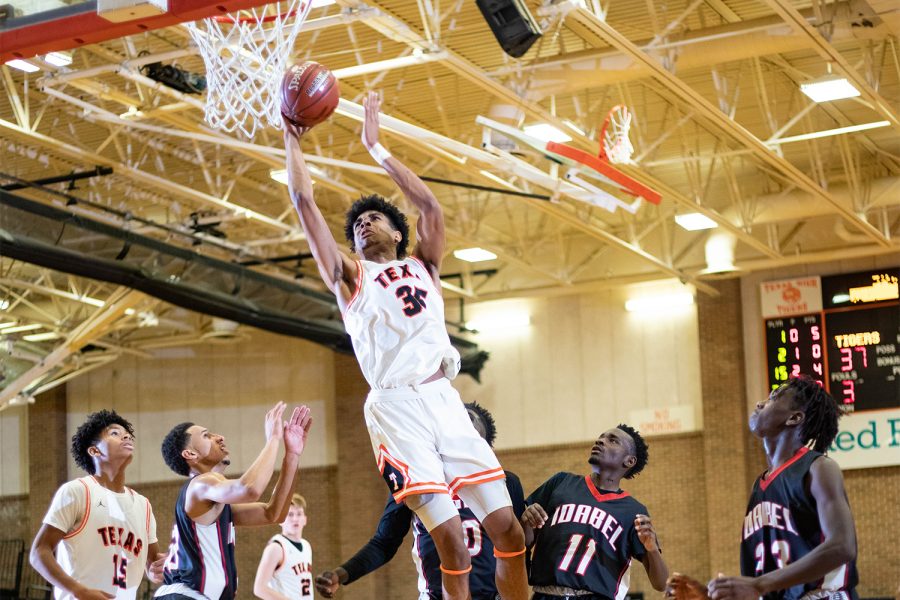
(617, 147)
(246, 55)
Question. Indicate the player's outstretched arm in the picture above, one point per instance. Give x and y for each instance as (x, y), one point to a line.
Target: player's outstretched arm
(213, 488)
(682, 587)
(337, 270)
(837, 548)
(271, 557)
(276, 509)
(656, 568)
(430, 226)
(43, 560)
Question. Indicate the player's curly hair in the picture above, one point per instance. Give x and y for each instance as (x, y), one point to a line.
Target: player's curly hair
(89, 432)
(490, 427)
(821, 410)
(173, 444)
(388, 209)
(641, 452)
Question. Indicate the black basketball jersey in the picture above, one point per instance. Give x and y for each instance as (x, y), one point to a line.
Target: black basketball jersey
(782, 525)
(589, 541)
(201, 557)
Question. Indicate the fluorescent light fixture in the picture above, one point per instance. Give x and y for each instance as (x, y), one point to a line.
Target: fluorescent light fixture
(59, 59)
(474, 254)
(547, 133)
(388, 64)
(7, 324)
(279, 175)
(840, 298)
(826, 89)
(321, 3)
(20, 328)
(22, 65)
(499, 321)
(659, 303)
(695, 222)
(41, 337)
(828, 133)
(4, 304)
(573, 127)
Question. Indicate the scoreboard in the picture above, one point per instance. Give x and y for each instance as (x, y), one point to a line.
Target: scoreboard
(843, 331)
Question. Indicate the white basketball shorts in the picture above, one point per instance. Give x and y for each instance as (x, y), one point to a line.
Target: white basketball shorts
(425, 443)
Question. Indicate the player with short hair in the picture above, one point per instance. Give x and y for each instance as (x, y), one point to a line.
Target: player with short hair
(103, 534)
(798, 539)
(424, 444)
(395, 524)
(285, 569)
(209, 505)
(586, 530)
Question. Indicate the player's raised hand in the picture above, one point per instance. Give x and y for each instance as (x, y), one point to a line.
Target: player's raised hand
(274, 426)
(155, 569)
(292, 130)
(646, 533)
(327, 584)
(733, 588)
(372, 104)
(534, 516)
(682, 587)
(296, 429)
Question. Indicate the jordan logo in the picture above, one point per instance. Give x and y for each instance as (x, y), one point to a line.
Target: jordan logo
(100, 503)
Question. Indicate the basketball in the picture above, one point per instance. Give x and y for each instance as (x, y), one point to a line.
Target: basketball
(309, 94)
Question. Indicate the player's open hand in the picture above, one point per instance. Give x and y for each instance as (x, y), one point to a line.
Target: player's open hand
(292, 130)
(734, 588)
(534, 516)
(327, 584)
(646, 533)
(372, 104)
(155, 569)
(296, 429)
(682, 587)
(274, 426)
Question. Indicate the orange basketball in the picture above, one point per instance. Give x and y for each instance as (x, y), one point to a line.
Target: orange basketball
(309, 94)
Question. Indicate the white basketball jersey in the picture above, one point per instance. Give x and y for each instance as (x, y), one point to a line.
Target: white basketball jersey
(293, 578)
(396, 321)
(107, 536)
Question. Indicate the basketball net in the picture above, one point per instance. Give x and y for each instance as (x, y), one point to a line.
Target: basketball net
(616, 146)
(246, 55)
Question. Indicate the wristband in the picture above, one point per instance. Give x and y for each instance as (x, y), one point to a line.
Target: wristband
(379, 154)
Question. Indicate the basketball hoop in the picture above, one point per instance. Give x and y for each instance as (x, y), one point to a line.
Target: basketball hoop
(245, 57)
(614, 143)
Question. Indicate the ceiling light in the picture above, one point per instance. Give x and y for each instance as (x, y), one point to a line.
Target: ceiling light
(59, 59)
(695, 222)
(660, 303)
(474, 254)
(826, 89)
(279, 175)
(499, 321)
(22, 65)
(19, 328)
(4, 304)
(41, 337)
(828, 133)
(547, 133)
(321, 3)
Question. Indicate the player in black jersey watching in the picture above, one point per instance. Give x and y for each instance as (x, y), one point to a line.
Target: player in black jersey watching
(798, 538)
(395, 524)
(209, 505)
(586, 530)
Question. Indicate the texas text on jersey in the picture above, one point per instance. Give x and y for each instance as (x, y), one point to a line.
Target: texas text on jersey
(293, 575)
(782, 525)
(589, 540)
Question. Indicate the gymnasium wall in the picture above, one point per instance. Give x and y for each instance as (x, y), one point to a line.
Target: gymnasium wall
(13, 445)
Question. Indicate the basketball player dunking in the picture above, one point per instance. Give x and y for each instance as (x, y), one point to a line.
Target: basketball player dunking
(396, 521)
(586, 530)
(424, 443)
(285, 569)
(209, 506)
(798, 539)
(103, 533)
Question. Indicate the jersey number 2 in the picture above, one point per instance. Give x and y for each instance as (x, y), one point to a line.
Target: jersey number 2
(120, 565)
(574, 543)
(781, 552)
(413, 299)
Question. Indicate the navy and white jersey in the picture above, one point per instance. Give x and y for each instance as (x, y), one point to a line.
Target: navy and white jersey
(782, 526)
(200, 563)
(395, 523)
(589, 540)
